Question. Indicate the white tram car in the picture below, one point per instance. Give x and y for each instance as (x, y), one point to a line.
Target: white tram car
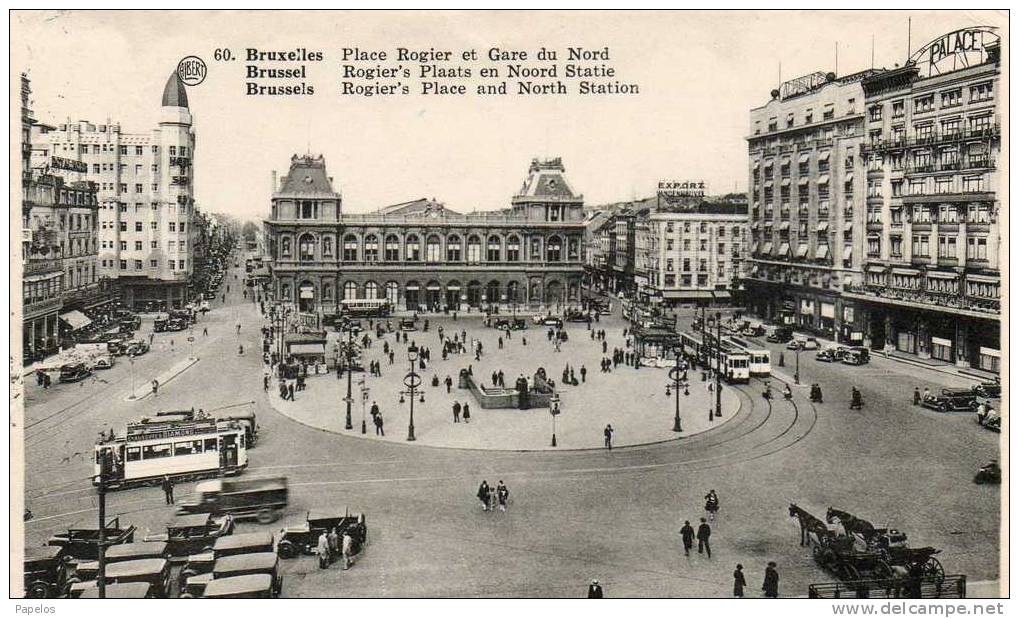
(760, 358)
(181, 449)
(735, 362)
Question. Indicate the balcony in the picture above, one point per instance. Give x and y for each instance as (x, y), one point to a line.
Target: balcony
(879, 146)
(38, 267)
(874, 226)
(952, 303)
(920, 259)
(948, 261)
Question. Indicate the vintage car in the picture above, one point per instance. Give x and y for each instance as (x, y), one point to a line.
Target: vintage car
(136, 347)
(234, 566)
(176, 324)
(258, 586)
(189, 534)
(829, 355)
(991, 390)
(75, 372)
(856, 356)
(548, 320)
(130, 322)
(951, 400)
(160, 324)
(80, 541)
(152, 571)
(124, 552)
(782, 334)
(132, 590)
(408, 325)
(511, 324)
(248, 543)
(204, 306)
(578, 316)
(991, 420)
(45, 572)
(261, 498)
(303, 538)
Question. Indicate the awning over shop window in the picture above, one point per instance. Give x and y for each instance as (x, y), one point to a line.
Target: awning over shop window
(453, 287)
(786, 182)
(822, 226)
(804, 157)
(849, 178)
(767, 248)
(75, 319)
(757, 164)
(909, 272)
(685, 294)
(783, 249)
(434, 286)
(783, 226)
(847, 253)
(822, 252)
(940, 274)
(874, 268)
(308, 349)
(939, 341)
(768, 184)
(804, 181)
(822, 179)
(801, 251)
(755, 225)
(722, 295)
(413, 286)
(982, 279)
(824, 155)
(990, 352)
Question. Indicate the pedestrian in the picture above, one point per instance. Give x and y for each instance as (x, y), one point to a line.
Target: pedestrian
(594, 591)
(500, 343)
(916, 395)
(483, 495)
(502, 493)
(290, 391)
(688, 535)
(467, 412)
(770, 586)
(155, 388)
(704, 538)
(711, 504)
(502, 379)
(334, 544)
(323, 550)
(392, 355)
(926, 394)
(456, 411)
(374, 410)
(168, 489)
(205, 331)
(449, 384)
(738, 582)
(523, 340)
(348, 549)
(608, 436)
(495, 379)
(379, 428)
(265, 382)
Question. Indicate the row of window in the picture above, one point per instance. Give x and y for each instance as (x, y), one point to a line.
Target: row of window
(38, 291)
(139, 226)
(827, 113)
(687, 280)
(702, 228)
(950, 127)
(122, 207)
(124, 150)
(702, 266)
(98, 168)
(138, 245)
(703, 246)
(171, 449)
(976, 247)
(433, 248)
(140, 264)
(934, 284)
(945, 213)
(512, 292)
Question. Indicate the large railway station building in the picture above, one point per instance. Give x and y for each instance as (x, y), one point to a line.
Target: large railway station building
(420, 255)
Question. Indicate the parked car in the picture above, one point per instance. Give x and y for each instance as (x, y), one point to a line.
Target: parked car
(991, 390)
(137, 347)
(511, 324)
(160, 324)
(176, 324)
(125, 552)
(266, 563)
(856, 356)
(991, 420)
(204, 306)
(781, 334)
(190, 534)
(133, 590)
(45, 572)
(829, 355)
(408, 325)
(152, 571)
(258, 586)
(551, 320)
(951, 400)
(75, 372)
(302, 538)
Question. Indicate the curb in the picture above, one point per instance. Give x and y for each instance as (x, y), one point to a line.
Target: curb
(162, 382)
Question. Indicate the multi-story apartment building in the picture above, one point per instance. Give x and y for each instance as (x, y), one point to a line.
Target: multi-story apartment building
(806, 195)
(691, 256)
(933, 224)
(145, 194)
(420, 255)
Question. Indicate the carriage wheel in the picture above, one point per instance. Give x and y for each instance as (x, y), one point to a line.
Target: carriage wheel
(933, 568)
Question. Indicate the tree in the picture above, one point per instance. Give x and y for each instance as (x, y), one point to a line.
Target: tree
(249, 230)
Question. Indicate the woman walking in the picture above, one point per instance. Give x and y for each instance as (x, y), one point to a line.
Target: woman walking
(738, 582)
(483, 495)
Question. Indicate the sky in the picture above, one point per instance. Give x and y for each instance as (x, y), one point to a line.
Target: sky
(699, 74)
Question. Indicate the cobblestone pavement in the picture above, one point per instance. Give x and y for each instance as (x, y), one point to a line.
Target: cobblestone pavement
(573, 515)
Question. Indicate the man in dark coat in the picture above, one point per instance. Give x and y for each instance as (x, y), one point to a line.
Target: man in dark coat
(449, 384)
(916, 395)
(168, 489)
(704, 537)
(770, 586)
(687, 533)
(374, 410)
(594, 591)
(456, 411)
(467, 412)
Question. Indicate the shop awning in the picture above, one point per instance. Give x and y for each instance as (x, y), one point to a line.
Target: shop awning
(768, 184)
(786, 182)
(801, 251)
(908, 272)
(783, 249)
(824, 155)
(822, 252)
(804, 157)
(847, 253)
(434, 286)
(822, 226)
(757, 164)
(804, 180)
(822, 179)
(453, 287)
(982, 279)
(940, 274)
(767, 248)
(722, 295)
(686, 294)
(873, 268)
(75, 319)
(785, 159)
(413, 286)
(849, 178)
(783, 226)
(308, 349)
(755, 225)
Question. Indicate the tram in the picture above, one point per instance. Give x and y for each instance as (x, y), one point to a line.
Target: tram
(760, 358)
(183, 450)
(365, 307)
(735, 362)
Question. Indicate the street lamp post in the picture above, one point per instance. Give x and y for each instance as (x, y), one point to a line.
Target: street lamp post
(350, 366)
(554, 412)
(796, 376)
(676, 381)
(718, 368)
(364, 400)
(412, 380)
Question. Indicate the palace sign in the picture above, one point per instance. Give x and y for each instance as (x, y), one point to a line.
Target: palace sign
(957, 50)
(682, 188)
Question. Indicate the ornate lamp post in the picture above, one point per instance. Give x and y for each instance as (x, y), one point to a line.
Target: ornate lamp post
(676, 377)
(412, 381)
(554, 411)
(718, 369)
(796, 376)
(364, 400)
(345, 324)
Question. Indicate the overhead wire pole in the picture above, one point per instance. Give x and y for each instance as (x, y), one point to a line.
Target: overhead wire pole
(101, 547)
(718, 369)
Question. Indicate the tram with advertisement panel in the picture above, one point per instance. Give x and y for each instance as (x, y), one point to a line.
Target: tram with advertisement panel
(735, 362)
(183, 450)
(760, 358)
(365, 307)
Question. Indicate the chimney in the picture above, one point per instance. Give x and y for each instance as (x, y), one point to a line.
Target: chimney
(274, 181)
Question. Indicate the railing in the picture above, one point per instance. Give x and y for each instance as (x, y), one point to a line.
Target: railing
(928, 587)
(935, 138)
(956, 165)
(927, 297)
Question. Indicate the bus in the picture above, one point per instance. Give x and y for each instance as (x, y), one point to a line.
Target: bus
(183, 450)
(760, 357)
(735, 362)
(365, 307)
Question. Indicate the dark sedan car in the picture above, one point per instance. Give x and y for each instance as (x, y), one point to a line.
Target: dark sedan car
(952, 400)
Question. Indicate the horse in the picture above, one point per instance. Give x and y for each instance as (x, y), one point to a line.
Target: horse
(810, 524)
(853, 526)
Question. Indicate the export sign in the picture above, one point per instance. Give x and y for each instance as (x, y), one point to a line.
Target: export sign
(682, 188)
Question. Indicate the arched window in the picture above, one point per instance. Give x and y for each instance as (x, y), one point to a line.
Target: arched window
(392, 248)
(350, 248)
(371, 248)
(327, 291)
(573, 249)
(513, 249)
(371, 290)
(494, 248)
(454, 250)
(473, 250)
(433, 249)
(349, 290)
(327, 246)
(413, 248)
(492, 292)
(307, 248)
(392, 293)
(285, 247)
(555, 249)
